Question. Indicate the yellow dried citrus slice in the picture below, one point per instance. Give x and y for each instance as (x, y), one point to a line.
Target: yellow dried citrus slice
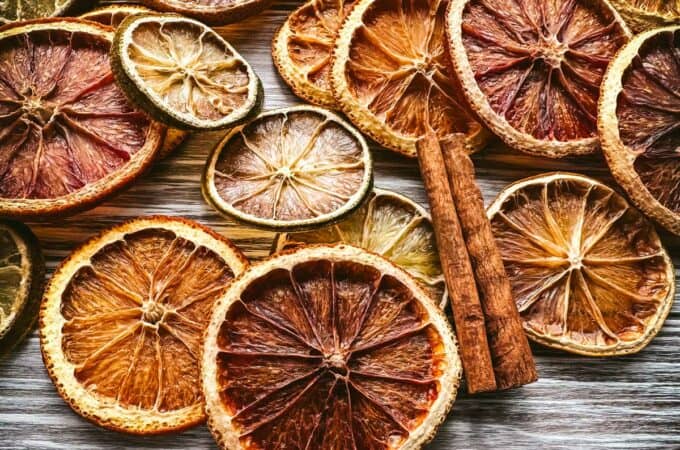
(183, 73)
(391, 225)
(68, 135)
(122, 320)
(212, 12)
(289, 169)
(303, 46)
(22, 273)
(642, 15)
(532, 70)
(589, 273)
(20, 10)
(391, 75)
(639, 123)
(327, 348)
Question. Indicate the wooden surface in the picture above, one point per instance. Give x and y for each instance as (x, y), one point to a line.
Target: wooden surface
(579, 403)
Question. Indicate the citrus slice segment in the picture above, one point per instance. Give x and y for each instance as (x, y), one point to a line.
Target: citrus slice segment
(391, 75)
(589, 273)
(68, 136)
(639, 123)
(22, 274)
(122, 320)
(642, 15)
(183, 73)
(303, 46)
(327, 348)
(212, 12)
(391, 225)
(289, 169)
(21, 10)
(532, 71)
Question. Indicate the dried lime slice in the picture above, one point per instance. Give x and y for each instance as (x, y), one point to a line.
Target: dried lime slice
(22, 272)
(183, 73)
(18, 10)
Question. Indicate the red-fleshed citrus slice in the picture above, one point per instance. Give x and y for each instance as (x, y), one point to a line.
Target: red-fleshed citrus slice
(21, 10)
(122, 321)
(68, 136)
(639, 123)
(532, 70)
(327, 348)
(642, 15)
(589, 273)
(391, 225)
(212, 12)
(289, 169)
(391, 75)
(303, 46)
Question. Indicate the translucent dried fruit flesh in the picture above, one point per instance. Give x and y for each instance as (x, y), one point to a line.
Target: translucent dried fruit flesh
(113, 15)
(392, 226)
(17, 10)
(291, 167)
(646, 14)
(11, 277)
(589, 273)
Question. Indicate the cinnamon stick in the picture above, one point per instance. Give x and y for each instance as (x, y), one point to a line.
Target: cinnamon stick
(510, 352)
(460, 281)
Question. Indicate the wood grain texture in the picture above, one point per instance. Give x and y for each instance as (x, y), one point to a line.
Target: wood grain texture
(579, 403)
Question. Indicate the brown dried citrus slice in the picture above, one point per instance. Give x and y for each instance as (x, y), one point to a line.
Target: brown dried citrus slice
(212, 12)
(588, 271)
(642, 15)
(303, 46)
(391, 75)
(122, 321)
(22, 274)
(639, 123)
(112, 15)
(532, 70)
(183, 73)
(20, 10)
(68, 136)
(289, 169)
(327, 348)
(391, 225)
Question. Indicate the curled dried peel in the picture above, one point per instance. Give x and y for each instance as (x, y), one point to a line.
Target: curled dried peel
(378, 370)
(532, 69)
(589, 273)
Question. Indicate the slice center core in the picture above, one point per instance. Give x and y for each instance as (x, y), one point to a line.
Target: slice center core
(153, 313)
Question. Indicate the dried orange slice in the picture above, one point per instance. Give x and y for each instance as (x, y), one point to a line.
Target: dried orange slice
(588, 271)
(22, 274)
(122, 321)
(20, 10)
(183, 73)
(289, 169)
(212, 12)
(642, 15)
(391, 75)
(327, 348)
(303, 46)
(391, 225)
(532, 70)
(68, 136)
(639, 123)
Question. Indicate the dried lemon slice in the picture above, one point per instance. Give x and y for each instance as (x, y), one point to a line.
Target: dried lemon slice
(588, 272)
(22, 274)
(212, 12)
(642, 15)
(327, 347)
(122, 322)
(183, 73)
(639, 123)
(390, 225)
(21, 10)
(391, 75)
(289, 169)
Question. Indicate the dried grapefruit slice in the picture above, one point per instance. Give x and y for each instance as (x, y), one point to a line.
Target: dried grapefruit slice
(22, 274)
(303, 46)
(289, 169)
(212, 12)
(639, 123)
(642, 15)
(532, 70)
(122, 320)
(20, 10)
(68, 136)
(391, 225)
(588, 271)
(391, 75)
(183, 73)
(327, 348)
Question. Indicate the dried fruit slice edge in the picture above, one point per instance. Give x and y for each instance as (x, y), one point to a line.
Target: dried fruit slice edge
(215, 12)
(98, 409)
(641, 15)
(620, 158)
(219, 418)
(112, 15)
